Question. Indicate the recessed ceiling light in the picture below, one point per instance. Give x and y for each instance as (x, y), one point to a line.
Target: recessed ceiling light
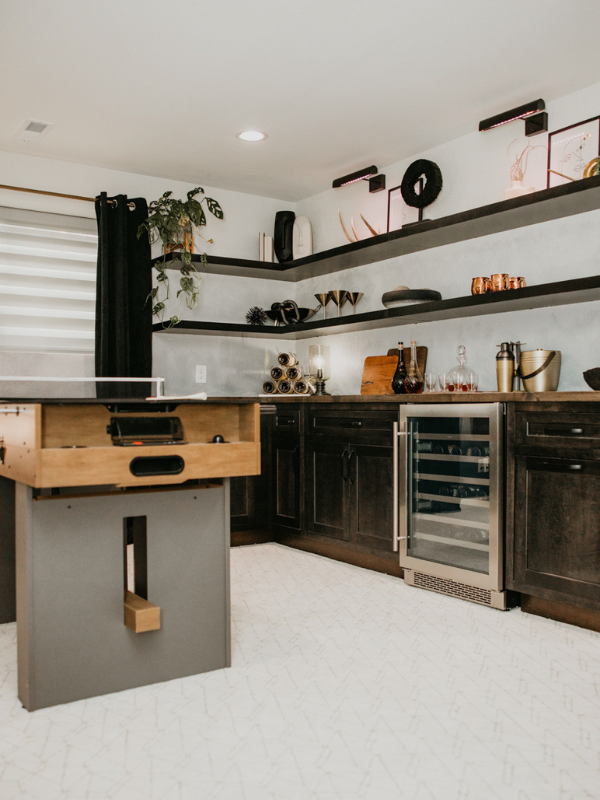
(251, 136)
(32, 130)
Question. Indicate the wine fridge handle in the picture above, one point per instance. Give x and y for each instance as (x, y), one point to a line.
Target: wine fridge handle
(395, 488)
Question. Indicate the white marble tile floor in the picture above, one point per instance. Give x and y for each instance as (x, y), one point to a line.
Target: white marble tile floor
(345, 685)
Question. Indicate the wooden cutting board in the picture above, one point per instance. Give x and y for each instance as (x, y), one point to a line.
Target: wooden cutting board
(378, 371)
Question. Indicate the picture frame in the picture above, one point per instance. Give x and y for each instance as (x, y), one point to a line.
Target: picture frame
(571, 149)
(399, 213)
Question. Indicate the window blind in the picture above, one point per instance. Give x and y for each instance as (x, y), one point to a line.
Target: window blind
(47, 281)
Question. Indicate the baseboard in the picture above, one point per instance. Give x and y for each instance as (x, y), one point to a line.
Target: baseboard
(378, 563)
(239, 538)
(562, 612)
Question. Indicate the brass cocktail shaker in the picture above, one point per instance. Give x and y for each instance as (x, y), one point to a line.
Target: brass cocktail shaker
(505, 368)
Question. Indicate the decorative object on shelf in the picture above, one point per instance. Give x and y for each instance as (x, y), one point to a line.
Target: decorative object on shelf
(499, 282)
(319, 360)
(403, 296)
(256, 316)
(173, 221)
(302, 238)
(376, 182)
(354, 299)
(265, 247)
(592, 168)
(339, 297)
(540, 370)
(518, 158)
(461, 378)
(536, 118)
(356, 238)
(516, 283)
(571, 150)
(283, 236)
(323, 298)
(592, 378)
(378, 371)
(288, 313)
(427, 177)
(398, 213)
(481, 286)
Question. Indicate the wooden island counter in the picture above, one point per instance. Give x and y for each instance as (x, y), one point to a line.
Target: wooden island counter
(120, 514)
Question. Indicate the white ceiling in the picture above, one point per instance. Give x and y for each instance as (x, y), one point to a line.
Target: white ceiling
(161, 87)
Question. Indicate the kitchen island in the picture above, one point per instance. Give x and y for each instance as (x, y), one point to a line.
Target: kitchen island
(121, 522)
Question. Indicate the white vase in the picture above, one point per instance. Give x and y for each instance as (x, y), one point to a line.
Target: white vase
(517, 189)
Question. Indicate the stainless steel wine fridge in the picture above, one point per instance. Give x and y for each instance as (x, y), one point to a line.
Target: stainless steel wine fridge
(448, 511)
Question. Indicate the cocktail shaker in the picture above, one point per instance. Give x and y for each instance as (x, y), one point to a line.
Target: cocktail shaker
(505, 368)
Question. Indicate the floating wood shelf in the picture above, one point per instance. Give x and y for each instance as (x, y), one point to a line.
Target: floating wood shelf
(560, 201)
(559, 293)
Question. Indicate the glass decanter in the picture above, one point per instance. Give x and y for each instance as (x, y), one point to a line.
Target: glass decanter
(413, 382)
(461, 378)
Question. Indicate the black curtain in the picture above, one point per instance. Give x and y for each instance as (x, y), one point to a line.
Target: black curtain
(124, 280)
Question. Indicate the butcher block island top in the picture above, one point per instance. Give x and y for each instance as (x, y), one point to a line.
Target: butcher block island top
(57, 443)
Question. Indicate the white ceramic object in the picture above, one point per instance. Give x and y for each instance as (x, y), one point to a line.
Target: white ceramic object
(517, 190)
(302, 239)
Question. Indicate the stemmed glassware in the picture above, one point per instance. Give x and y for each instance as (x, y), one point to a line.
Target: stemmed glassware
(354, 299)
(324, 298)
(339, 297)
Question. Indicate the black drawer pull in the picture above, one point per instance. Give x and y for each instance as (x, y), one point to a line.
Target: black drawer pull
(351, 423)
(576, 430)
(556, 430)
(156, 465)
(286, 421)
(575, 466)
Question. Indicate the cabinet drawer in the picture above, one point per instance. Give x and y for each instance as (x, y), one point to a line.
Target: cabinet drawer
(556, 429)
(287, 420)
(353, 425)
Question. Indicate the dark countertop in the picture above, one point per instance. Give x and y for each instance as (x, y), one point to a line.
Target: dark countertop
(588, 396)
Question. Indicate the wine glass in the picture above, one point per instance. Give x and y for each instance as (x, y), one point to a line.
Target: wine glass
(430, 381)
(354, 299)
(339, 297)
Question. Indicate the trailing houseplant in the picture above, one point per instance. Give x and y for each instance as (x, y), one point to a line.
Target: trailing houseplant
(172, 222)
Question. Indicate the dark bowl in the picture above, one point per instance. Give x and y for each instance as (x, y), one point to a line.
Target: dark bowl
(592, 378)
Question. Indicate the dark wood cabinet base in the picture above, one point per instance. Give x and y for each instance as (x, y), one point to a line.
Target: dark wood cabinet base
(346, 552)
(552, 609)
(239, 538)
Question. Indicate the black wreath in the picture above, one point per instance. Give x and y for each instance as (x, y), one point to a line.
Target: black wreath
(433, 183)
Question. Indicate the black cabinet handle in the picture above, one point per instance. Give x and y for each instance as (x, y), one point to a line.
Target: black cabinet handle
(288, 421)
(345, 460)
(575, 466)
(352, 472)
(351, 423)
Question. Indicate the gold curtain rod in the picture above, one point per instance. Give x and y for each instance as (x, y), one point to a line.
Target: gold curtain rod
(59, 194)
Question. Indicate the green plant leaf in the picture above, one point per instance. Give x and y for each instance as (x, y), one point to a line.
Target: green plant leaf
(214, 208)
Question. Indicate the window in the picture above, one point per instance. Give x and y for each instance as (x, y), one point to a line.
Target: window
(47, 281)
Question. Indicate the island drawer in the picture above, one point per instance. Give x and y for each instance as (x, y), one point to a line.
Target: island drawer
(580, 430)
(352, 424)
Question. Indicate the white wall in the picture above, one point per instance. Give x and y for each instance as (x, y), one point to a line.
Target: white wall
(476, 172)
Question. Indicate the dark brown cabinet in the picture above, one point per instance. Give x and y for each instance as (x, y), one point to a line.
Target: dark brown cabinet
(553, 532)
(286, 482)
(326, 467)
(249, 496)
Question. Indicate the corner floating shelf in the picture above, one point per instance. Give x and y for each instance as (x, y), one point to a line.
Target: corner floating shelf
(559, 293)
(548, 204)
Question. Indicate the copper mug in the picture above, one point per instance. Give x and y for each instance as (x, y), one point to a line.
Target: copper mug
(499, 282)
(516, 283)
(481, 286)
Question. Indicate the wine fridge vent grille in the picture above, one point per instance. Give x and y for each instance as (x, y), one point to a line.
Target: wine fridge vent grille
(452, 588)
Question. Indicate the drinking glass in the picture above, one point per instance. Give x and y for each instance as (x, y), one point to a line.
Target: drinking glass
(472, 382)
(430, 381)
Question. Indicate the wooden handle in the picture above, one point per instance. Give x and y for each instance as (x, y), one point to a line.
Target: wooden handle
(140, 615)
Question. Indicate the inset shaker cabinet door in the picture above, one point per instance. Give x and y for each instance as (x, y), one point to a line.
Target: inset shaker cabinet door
(370, 485)
(286, 477)
(557, 528)
(241, 492)
(327, 475)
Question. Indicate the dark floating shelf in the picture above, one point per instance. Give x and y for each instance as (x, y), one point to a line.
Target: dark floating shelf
(559, 293)
(548, 204)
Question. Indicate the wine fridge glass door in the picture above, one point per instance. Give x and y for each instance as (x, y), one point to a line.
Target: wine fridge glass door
(451, 519)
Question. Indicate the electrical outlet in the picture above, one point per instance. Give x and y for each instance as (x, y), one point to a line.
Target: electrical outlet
(200, 373)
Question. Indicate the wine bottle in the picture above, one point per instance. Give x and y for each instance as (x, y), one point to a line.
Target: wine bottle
(284, 387)
(400, 374)
(287, 359)
(269, 387)
(293, 373)
(276, 373)
(413, 383)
